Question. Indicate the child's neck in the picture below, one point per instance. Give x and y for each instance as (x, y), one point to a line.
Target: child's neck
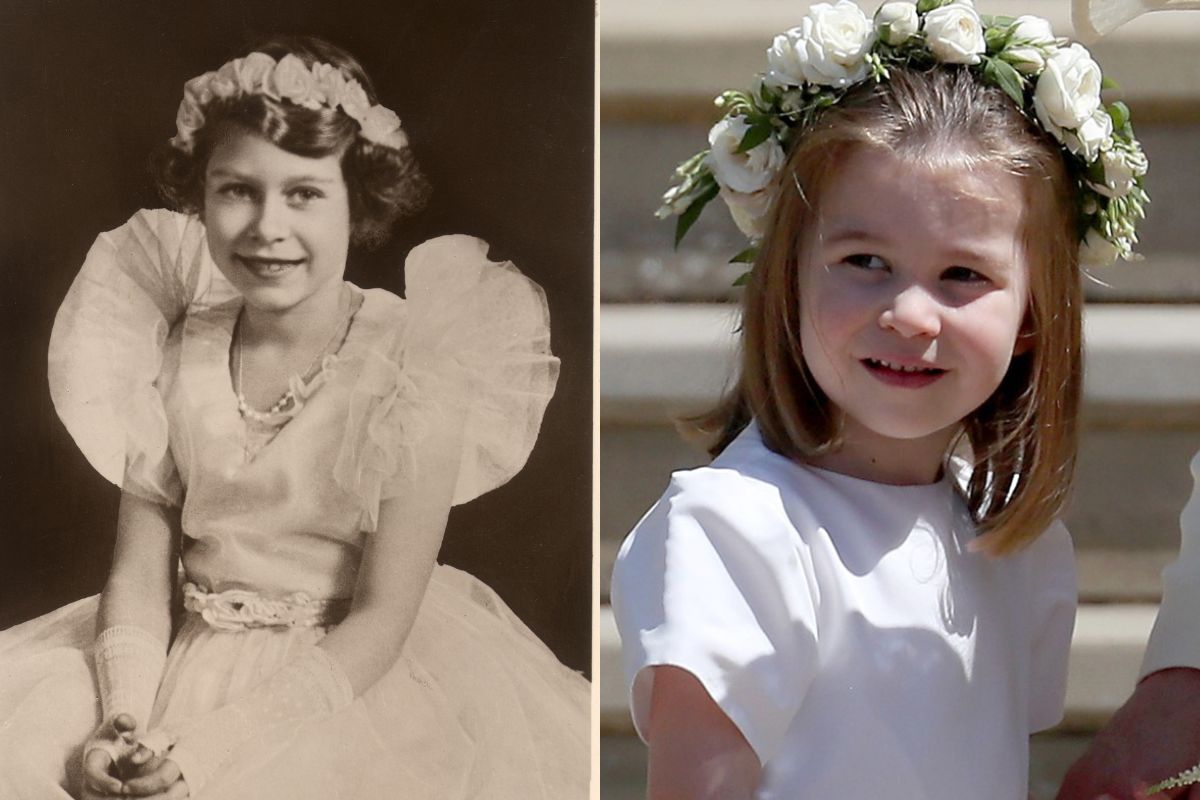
(868, 456)
(298, 325)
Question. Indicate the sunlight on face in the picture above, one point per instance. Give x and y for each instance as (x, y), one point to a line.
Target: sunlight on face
(914, 290)
(278, 223)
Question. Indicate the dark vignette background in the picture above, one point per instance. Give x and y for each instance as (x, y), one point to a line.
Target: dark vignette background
(497, 100)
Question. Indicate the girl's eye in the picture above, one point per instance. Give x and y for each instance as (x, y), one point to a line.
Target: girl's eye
(963, 275)
(236, 191)
(866, 261)
(304, 196)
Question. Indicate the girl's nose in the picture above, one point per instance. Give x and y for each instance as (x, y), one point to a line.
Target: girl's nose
(271, 223)
(912, 312)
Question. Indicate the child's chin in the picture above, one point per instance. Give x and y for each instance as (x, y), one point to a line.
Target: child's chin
(272, 299)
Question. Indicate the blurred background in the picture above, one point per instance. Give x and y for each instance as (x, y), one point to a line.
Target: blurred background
(666, 327)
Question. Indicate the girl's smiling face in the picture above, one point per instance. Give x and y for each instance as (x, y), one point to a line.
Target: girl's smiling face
(278, 223)
(914, 291)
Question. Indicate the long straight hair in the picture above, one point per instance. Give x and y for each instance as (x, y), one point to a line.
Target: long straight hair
(1023, 439)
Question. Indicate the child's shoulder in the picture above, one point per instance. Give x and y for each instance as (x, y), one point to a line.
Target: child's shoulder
(745, 468)
(748, 490)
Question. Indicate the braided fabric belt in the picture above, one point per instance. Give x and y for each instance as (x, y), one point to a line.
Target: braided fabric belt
(241, 609)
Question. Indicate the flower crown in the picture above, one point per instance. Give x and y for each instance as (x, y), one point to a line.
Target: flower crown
(322, 86)
(836, 47)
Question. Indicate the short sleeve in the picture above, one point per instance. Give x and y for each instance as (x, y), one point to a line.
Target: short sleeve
(475, 338)
(1175, 640)
(712, 581)
(1053, 597)
(106, 348)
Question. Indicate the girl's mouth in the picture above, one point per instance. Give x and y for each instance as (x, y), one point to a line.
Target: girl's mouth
(268, 267)
(904, 375)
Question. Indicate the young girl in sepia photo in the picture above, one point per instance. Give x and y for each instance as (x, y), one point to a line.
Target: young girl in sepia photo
(289, 446)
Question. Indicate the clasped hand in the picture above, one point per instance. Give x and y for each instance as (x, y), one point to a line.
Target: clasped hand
(117, 765)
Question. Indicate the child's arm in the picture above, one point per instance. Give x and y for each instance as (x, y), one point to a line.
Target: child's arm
(133, 628)
(397, 562)
(1154, 736)
(696, 752)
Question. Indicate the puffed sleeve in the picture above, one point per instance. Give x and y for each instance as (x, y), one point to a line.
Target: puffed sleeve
(475, 339)
(1175, 640)
(106, 348)
(712, 580)
(1053, 596)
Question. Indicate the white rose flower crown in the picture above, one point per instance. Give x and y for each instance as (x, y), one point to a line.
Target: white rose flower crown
(835, 47)
(322, 86)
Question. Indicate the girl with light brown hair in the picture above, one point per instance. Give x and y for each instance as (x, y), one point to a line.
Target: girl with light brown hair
(868, 593)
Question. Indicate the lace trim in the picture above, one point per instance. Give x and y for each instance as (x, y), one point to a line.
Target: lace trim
(242, 609)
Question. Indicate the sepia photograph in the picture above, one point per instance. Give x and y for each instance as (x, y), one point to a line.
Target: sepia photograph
(297, 458)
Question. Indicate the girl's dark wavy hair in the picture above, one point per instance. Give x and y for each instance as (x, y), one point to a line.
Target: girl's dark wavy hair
(384, 184)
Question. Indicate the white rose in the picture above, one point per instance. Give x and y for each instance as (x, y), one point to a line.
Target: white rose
(199, 89)
(331, 82)
(784, 57)
(1096, 251)
(749, 211)
(827, 48)
(354, 101)
(954, 34)
(1092, 136)
(382, 126)
(1122, 168)
(1033, 38)
(1068, 90)
(252, 72)
(742, 172)
(901, 20)
(224, 83)
(291, 80)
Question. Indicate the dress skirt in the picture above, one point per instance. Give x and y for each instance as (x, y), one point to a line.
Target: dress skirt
(475, 707)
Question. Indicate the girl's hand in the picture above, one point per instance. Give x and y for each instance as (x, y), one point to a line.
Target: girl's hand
(108, 757)
(1154, 736)
(158, 779)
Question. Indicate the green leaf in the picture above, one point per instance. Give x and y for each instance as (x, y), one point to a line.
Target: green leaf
(997, 38)
(925, 6)
(688, 218)
(757, 133)
(1119, 113)
(743, 279)
(747, 256)
(1108, 83)
(1005, 75)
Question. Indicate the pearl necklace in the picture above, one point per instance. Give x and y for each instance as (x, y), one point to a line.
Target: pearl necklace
(290, 400)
